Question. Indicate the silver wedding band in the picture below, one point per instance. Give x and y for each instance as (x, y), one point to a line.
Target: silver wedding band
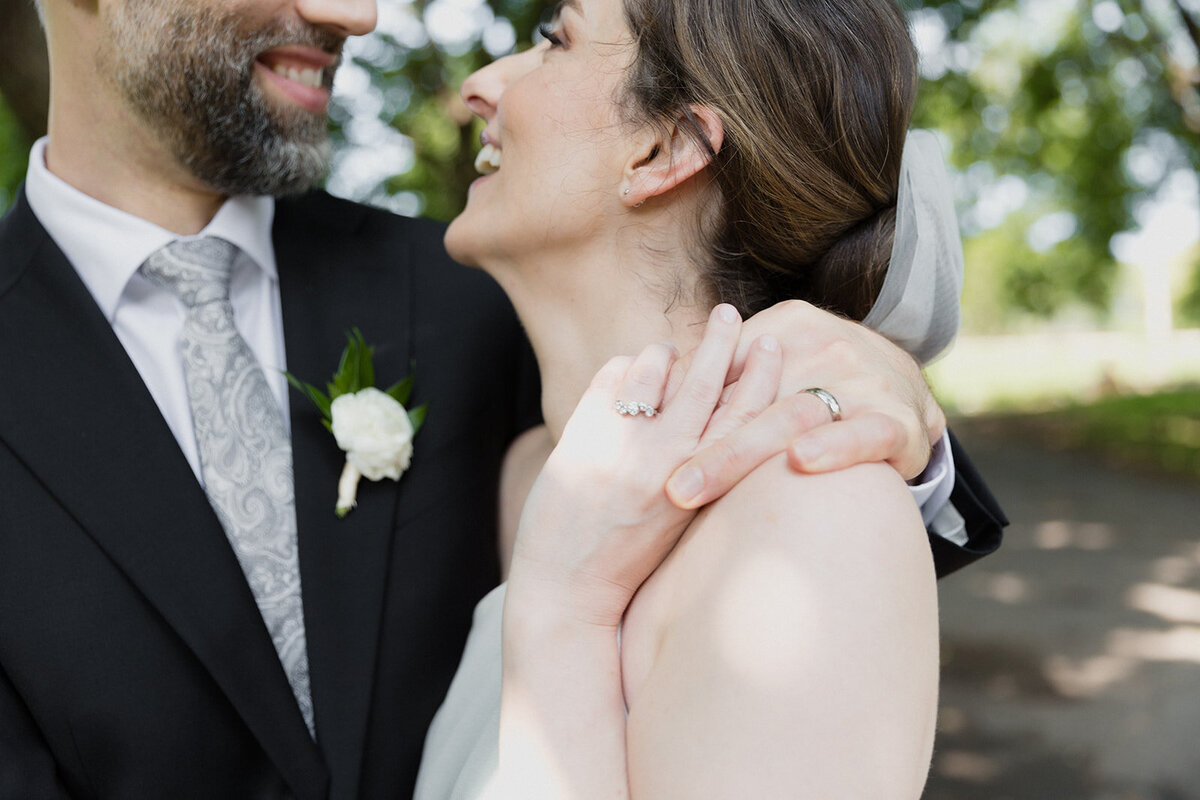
(631, 409)
(835, 408)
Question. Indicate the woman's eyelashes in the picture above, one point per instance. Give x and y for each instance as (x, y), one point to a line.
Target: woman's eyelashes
(547, 32)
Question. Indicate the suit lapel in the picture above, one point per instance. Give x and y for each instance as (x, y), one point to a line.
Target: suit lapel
(75, 410)
(344, 563)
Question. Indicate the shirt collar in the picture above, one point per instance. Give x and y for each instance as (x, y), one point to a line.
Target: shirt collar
(106, 245)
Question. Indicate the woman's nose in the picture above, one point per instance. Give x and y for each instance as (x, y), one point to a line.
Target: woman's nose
(482, 89)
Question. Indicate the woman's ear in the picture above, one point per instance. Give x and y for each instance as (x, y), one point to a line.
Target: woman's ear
(668, 156)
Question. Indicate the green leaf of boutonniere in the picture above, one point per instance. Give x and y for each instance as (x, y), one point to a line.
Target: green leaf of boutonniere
(400, 391)
(417, 416)
(355, 370)
(319, 399)
(366, 370)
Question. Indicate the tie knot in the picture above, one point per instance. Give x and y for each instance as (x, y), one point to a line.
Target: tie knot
(197, 271)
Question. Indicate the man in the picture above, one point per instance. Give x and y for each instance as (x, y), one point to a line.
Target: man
(181, 613)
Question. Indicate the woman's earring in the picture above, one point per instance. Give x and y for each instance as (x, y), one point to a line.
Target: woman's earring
(626, 192)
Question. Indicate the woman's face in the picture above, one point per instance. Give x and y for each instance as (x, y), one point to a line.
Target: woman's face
(555, 144)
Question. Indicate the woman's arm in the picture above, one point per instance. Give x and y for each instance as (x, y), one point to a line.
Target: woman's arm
(524, 460)
(596, 524)
(766, 659)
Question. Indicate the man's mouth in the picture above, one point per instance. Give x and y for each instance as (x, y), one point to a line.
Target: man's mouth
(303, 74)
(309, 77)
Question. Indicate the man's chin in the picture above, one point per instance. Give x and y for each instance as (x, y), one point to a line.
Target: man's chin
(280, 168)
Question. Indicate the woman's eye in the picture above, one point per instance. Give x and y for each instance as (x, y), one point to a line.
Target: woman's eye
(547, 33)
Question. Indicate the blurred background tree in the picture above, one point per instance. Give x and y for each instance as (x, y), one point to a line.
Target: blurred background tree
(24, 91)
(1071, 123)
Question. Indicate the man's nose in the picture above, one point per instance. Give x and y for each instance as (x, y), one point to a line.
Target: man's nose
(346, 17)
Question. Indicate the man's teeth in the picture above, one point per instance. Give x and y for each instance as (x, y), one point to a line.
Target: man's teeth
(488, 160)
(309, 77)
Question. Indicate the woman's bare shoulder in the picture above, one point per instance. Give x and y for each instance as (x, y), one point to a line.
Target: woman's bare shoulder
(841, 526)
(767, 626)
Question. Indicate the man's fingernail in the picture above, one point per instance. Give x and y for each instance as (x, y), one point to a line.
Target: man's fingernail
(808, 451)
(727, 313)
(686, 484)
(769, 343)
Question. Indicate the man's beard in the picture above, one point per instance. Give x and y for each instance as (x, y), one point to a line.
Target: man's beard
(188, 72)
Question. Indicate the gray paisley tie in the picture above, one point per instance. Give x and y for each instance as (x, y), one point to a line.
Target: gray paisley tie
(245, 454)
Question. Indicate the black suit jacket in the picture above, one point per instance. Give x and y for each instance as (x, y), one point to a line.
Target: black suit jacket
(133, 661)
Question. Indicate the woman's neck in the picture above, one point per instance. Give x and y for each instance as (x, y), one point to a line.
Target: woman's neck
(580, 311)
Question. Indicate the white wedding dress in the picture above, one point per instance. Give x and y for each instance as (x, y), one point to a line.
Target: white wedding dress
(461, 756)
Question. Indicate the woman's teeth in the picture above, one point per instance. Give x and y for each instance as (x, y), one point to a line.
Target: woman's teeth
(488, 160)
(308, 77)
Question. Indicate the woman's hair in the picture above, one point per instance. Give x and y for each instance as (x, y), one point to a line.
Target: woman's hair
(815, 97)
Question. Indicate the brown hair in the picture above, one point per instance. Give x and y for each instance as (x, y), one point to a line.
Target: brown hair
(815, 97)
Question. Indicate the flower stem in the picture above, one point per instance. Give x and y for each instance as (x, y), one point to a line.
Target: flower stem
(347, 490)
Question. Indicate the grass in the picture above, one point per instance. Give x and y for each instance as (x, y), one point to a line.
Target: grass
(1054, 369)
(1159, 432)
(1121, 396)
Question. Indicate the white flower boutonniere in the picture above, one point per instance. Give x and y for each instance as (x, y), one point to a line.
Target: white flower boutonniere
(371, 425)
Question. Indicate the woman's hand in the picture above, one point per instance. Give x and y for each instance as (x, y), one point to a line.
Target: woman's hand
(598, 521)
(888, 412)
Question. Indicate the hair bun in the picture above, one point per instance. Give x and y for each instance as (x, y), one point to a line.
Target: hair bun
(851, 273)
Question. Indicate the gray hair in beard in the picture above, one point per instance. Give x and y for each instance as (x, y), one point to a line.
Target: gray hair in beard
(188, 72)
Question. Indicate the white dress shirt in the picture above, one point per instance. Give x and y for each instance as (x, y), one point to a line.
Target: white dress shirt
(107, 246)
(931, 489)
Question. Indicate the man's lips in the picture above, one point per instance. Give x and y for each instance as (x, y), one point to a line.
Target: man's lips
(301, 74)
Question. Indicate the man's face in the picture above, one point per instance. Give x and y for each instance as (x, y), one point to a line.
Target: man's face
(236, 93)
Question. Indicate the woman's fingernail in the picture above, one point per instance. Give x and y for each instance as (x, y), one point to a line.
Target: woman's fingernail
(768, 342)
(686, 484)
(727, 313)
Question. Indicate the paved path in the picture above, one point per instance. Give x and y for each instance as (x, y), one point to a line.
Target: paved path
(1071, 658)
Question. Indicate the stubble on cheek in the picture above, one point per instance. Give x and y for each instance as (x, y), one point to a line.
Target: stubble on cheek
(189, 74)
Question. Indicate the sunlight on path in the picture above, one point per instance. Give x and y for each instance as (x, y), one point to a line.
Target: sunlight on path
(1071, 661)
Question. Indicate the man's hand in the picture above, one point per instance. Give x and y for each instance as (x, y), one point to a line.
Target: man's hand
(888, 412)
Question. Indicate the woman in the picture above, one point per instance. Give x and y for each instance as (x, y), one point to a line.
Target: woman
(651, 159)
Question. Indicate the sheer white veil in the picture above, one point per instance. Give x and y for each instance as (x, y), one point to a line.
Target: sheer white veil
(918, 306)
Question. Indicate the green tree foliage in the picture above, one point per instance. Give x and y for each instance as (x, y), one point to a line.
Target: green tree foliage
(14, 155)
(1091, 105)
(1188, 308)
